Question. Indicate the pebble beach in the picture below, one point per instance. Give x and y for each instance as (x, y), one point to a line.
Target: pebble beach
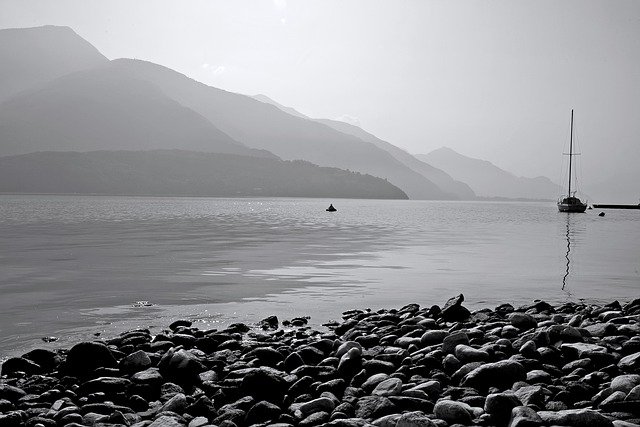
(537, 365)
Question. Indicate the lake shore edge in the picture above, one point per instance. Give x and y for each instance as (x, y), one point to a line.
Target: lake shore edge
(570, 364)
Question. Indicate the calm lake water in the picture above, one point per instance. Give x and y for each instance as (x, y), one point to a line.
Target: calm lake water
(72, 266)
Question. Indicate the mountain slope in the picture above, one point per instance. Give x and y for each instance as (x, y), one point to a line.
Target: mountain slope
(264, 126)
(457, 189)
(182, 173)
(32, 56)
(488, 180)
(105, 108)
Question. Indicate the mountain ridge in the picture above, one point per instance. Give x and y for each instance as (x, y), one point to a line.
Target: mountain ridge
(260, 125)
(24, 50)
(440, 178)
(488, 180)
(84, 111)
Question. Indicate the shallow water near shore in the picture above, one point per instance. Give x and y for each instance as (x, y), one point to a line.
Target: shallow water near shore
(72, 266)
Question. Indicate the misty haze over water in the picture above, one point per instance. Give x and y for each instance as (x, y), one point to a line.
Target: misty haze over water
(75, 265)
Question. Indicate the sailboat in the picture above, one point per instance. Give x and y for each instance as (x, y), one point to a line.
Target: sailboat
(571, 203)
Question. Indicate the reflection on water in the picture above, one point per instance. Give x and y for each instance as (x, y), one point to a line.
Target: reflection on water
(575, 230)
(566, 273)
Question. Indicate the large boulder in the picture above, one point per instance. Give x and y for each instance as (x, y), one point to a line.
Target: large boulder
(523, 416)
(499, 406)
(625, 383)
(500, 374)
(453, 412)
(19, 364)
(86, 357)
(181, 367)
(373, 407)
(388, 387)
(453, 310)
(630, 363)
(264, 383)
(575, 418)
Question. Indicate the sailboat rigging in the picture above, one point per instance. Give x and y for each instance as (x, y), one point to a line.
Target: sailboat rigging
(571, 203)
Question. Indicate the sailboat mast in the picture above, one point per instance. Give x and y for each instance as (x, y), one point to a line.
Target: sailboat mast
(570, 151)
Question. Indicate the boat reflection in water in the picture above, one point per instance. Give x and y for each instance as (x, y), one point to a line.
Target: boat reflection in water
(566, 272)
(575, 226)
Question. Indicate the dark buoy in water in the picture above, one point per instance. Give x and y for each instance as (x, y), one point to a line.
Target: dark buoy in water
(601, 214)
(331, 208)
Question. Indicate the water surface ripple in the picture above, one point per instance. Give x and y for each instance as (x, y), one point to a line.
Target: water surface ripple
(73, 265)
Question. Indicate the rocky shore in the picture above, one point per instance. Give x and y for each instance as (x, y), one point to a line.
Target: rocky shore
(539, 365)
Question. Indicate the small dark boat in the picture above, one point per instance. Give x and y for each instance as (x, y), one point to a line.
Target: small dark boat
(570, 203)
(331, 208)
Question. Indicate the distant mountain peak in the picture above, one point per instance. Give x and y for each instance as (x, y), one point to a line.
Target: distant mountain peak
(36, 55)
(487, 179)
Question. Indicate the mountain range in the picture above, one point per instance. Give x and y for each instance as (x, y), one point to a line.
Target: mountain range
(58, 93)
(445, 182)
(488, 180)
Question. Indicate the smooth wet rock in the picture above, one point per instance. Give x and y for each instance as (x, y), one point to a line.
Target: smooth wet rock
(616, 396)
(47, 359)
(602, 329)
(373, 381)
(499, 406)
(181, 367)
(346, 346)
(453, 339)
(575, 418)
(135, 362)
(414, 419)
(431, 388)
(453, 412)
(177, 404)
(630, 363)
(269, 323)
(265, 384)
(453, 311)
(388, 387)
(500, 374)
(530, 395)
(151, 377)
(538, 376)
(266, 355)
(11, 393)
(108, 385)
(165, 421)
(523, 416)
(466, 354)
(317, 405)
(350, 362)
(19, 364)
(522, 321)
(582, 350)
(634, 394)
(432, 337)
(85, 357)
(314, 419)
(625, 383)
(373, 407)
(261, 412)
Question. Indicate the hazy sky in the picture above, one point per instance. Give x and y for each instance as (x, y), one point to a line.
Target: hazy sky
(491, 79)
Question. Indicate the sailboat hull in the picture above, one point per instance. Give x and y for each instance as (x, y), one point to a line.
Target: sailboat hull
(562, 207)
(571, 204)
